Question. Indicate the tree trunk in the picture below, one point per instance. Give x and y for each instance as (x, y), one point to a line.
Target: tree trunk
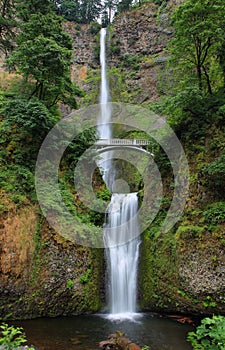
(207, 80)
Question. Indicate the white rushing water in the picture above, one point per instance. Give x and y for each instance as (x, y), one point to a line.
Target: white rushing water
(122, 258)
(121, 224)
(104, 128)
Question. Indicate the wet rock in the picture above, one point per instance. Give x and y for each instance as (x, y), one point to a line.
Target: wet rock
(118, 341)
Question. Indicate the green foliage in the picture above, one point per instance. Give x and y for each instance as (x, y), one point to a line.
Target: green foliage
(189, 231)
(160, 2)
(199, 33)
(215, 171)
(94, 27)
(90, 10)
(209, 335)
(190, 112)
(23, 128)
(124, 5)
(69, 9)
(131, 61)
(12, 337)
(85, 278)
(43, 56)
(208, 302)
(29, 7)
(70, 284)
(18, 181)
(7, 26)
(215, 214)
(80, 11)
(77, 147)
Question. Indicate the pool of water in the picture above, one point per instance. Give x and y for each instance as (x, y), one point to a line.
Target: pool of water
(85, 332)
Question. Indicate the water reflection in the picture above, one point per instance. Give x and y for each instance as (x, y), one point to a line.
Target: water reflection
(85, 332)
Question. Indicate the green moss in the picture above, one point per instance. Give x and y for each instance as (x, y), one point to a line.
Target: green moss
(189, 232)
(158, 269)
(85, 278)
(90, 300)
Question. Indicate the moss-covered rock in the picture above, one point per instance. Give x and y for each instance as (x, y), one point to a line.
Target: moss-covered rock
(42, 273)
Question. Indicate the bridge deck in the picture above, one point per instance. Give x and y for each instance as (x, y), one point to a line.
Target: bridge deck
(121, 142)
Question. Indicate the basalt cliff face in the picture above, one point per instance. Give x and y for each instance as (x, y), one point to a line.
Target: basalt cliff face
(136, 53)
(42, 274)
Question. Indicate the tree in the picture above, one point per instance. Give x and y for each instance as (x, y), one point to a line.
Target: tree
(70, 10)
(111, 6)
(7, 25)
(43, 56)
(124, 5)
(198, 36)
(90, 10)
(221, 51)
(105, 18)
(26, 8)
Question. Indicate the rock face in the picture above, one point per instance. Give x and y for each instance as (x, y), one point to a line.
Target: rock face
(141, 39)
(182, 274)
(135, 45)
(44, 275)
(41, 273)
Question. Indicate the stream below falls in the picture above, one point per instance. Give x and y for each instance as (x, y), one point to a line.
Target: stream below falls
(85, 332)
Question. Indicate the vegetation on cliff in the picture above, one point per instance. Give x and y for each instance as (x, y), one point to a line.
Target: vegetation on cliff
(186, 265)
(182, 270)
(39, 265)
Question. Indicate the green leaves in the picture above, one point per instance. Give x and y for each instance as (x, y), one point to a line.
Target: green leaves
(43, 58)
(215, 213)
(80, 11)
(198, 36)
(210, 335)
(7, 25)
(11, 337)
(26, 8)
(23, 128)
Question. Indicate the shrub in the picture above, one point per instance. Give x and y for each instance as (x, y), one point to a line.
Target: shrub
(94, 27)
(209, 335)
(215, 171)
(12, 338)
(189, 231)
(215, 214)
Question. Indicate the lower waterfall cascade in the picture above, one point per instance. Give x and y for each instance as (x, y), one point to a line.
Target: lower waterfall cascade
(122, 251)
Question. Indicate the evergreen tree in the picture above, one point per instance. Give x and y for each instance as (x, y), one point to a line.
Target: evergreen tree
(221, 50)
(124, 5)
(90, 10)
(7, 25)
(26, 8)
(70, 10)
(105, 18)
(111, 6)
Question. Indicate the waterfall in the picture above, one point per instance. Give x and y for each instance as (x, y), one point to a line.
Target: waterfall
(121, 223)
(104, 128)
(122, 258)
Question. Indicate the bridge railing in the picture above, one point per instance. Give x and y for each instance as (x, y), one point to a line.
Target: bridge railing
(121, 142)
